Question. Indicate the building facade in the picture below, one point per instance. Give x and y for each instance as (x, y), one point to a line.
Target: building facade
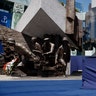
(78, 6)
(91, 22)
(89, 39)
(11, 12)
(93, 3)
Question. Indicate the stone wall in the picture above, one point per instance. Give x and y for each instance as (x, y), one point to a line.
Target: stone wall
(9, 33)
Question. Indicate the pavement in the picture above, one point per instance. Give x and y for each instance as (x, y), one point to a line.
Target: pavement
(12, 78)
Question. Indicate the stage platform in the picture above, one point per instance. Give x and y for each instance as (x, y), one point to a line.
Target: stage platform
(41, 86)
(44, 88)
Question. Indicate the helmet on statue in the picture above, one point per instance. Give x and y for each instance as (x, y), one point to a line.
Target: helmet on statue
(11, 41)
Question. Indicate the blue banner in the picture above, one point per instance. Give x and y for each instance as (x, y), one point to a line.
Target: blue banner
(76, 63)
(1, 48)
(89, 73)
(5, 19)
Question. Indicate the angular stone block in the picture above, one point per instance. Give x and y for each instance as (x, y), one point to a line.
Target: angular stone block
(43, 17)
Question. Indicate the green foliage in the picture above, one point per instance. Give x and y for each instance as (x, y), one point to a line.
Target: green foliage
(76, 10)
(62, 3)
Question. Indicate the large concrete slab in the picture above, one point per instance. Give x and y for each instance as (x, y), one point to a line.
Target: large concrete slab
(42, 17)
(42, 24)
